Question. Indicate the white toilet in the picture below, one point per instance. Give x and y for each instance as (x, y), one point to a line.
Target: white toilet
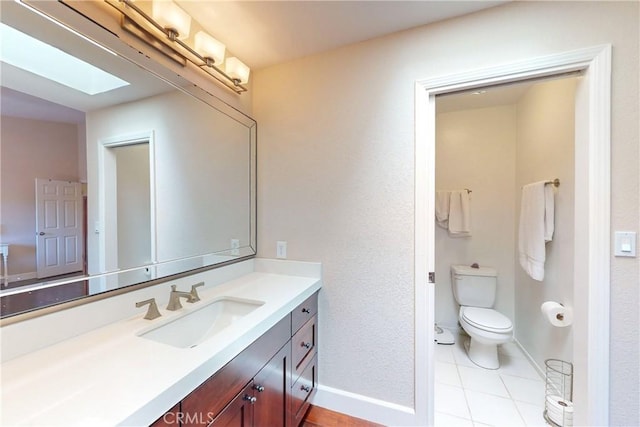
(475, 290)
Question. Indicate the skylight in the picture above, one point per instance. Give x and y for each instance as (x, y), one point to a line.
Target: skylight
(37, 57)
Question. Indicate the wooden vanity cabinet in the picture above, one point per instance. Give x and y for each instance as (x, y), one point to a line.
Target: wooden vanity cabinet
(269, 384)
(171, 418)
(239, 412)
(271, 390)
(304, 359)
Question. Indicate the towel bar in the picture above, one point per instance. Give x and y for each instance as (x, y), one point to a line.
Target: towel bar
(555, 182)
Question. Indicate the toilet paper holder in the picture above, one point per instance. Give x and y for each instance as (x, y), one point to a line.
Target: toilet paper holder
(557, 314)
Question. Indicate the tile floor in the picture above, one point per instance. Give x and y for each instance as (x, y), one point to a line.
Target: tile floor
(467, 395)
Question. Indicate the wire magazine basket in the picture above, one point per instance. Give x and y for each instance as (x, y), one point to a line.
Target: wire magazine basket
(558, 405)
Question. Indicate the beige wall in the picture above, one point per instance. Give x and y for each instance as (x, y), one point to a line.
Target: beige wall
(31, 149)
(476, 149)
(336, 170)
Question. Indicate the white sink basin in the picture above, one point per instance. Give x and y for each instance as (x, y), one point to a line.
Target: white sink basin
(200, 325)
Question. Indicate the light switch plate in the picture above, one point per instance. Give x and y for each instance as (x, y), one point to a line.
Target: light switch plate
(281, 249)
(625, 243)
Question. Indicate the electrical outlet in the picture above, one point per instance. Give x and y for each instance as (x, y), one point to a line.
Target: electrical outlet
(281, 249)
(235, 246)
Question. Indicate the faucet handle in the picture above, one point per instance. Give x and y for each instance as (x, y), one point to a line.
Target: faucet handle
(194, 292)
(152, 312)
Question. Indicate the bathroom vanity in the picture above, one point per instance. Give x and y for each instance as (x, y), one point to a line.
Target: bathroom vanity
(261, 367)
(269, 383)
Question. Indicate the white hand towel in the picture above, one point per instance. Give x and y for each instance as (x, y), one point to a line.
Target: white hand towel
(442, 208)
(459, 214)
(536, 227)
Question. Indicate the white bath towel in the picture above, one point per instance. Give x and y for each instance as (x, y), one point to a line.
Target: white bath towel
(453, 212)
(536, 227)
(459, 214)
(442, 208)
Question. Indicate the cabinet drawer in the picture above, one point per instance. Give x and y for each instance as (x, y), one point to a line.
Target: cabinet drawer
(302, 390)
(302, 313)
(303, 346)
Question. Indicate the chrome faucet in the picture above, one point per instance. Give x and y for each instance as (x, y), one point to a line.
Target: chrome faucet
(152, 311)
(194, 291)
(174, 298)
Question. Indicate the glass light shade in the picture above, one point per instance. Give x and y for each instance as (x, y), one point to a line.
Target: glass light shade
(237, 70)
(208, 47)
(170, 16)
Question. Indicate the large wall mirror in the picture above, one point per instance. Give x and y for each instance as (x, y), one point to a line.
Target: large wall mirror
(111, 176)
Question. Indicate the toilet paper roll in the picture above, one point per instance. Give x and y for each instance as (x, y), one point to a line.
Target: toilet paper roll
(559, 410)
(557, 314)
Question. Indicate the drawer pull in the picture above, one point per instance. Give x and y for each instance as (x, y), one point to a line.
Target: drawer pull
(250, 399)
(305, 388)
(306, 310)
(258, 388)
(305, 344)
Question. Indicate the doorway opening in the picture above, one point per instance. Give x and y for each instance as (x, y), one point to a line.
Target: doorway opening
(127, 215)
(592, 228)
(490, 143)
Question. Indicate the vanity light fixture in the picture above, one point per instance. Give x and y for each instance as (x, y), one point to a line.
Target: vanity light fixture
(175, 21)
(209, 48)
(237, 70)
(168, 26)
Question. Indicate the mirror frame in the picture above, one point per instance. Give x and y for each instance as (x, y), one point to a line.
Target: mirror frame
(94, 22)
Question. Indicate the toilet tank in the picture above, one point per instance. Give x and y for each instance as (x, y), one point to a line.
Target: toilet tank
(474, 287)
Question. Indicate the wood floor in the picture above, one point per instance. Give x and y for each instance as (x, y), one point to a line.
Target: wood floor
(320, 417)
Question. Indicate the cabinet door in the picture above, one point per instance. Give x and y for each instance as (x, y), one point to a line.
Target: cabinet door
(238, 413)
(271, 391)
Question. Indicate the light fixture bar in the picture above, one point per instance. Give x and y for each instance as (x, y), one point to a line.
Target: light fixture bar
(148, 25)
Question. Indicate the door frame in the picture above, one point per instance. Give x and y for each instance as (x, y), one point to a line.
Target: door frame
(593, 198)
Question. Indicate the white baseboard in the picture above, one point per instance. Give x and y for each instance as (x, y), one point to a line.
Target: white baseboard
(537, 367)
(367, 408)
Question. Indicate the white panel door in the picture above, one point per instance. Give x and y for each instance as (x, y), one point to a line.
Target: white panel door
(59, 220)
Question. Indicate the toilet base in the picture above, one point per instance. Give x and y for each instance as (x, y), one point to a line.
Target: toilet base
(483, 355)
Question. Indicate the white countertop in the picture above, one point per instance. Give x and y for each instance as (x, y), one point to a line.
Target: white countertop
(110, 376)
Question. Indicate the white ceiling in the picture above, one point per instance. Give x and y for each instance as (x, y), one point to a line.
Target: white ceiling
(263, 33)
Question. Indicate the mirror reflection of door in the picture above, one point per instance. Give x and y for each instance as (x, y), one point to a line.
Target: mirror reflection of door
(59, 227)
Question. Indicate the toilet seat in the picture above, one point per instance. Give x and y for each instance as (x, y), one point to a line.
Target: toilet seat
(487, 319)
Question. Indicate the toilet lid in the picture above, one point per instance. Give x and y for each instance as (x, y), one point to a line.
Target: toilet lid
(487, 319)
